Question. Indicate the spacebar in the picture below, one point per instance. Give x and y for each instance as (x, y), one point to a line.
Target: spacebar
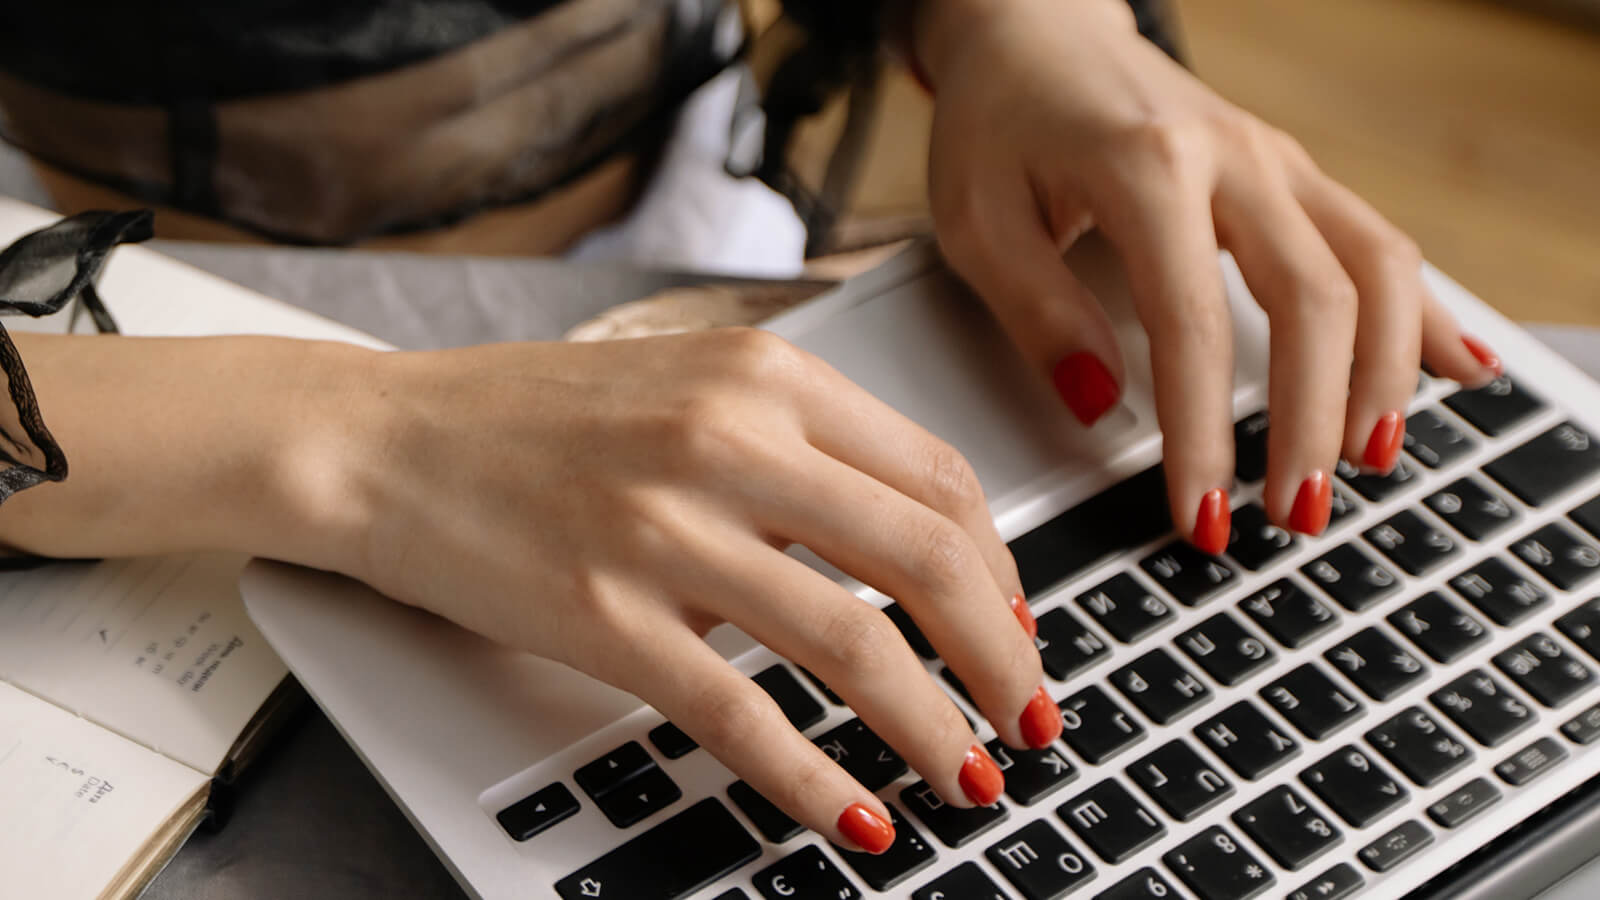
(1124, 516)
(673, 859)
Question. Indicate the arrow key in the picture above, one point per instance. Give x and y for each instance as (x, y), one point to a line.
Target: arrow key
(638, 798)
(537, 811)
(1337, 883)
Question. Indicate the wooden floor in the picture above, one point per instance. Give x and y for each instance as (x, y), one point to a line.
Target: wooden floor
(1474, 126)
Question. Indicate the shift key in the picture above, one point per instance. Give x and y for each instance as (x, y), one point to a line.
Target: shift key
(672, 860)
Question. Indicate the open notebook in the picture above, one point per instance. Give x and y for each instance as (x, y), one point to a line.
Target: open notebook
(126, 686)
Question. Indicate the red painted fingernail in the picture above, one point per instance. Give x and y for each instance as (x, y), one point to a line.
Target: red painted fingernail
(1214, 523)
(980, 778)
(866, 829)
(1313, 505)
(1041, 720)
(1086, 386)
(1019, 608)
(1485, 357)
(1383, 448)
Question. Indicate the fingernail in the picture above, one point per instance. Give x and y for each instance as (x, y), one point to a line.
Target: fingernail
(1019, 608)
(1485, 357)
(1214, 523)
(1040, 722)
(866, 829)
(980, 778)
(1086, 386)
(1313, 505)
(1383, 448)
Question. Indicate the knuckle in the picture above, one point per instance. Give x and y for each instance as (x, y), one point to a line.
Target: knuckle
(1171, 145)
(950, 480)
(1397, 254)
(948, 728)
(726, 717)
(1196, 319)
(861, 641)
(810, 781)
(944, 553)
(760, 357)
(709, 429)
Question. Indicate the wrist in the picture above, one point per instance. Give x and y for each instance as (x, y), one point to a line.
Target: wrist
(941, 31)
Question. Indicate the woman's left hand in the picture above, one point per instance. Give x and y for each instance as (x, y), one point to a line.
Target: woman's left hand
(1056, 116)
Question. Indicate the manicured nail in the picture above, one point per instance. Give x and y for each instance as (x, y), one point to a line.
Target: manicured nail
(1383, 448)
(1214, 523)
(1019, 608)
(866, 829)
(980, 778)
(1086, 386)
(1485, 357)
(1041, 720)
(1313, 505)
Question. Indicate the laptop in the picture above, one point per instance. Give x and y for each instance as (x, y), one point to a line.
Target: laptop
(1408, 705)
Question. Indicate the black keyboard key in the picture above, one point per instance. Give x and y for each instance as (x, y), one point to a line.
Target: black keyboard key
(1227, 652)
(1549, 465)
(1531, 761)
(1379, 488)
(608, 772)
(1032, 774)
(821, 687)
(1341, 506)
(1250, 447)
(639, 798)
(1541, 667)
(1111, 822)
(964, 882)
(1411, 542)
(537, 811)
(1397, 845)
(1357, 788)
(1588, 515)
(1121, 518)
(1247, 741)
(1442, 629)
(674, 859)
(1125, 608)
(732, 894)
(1584, 728)
(1217, 867)
(773, 823)
(1291, 615)
(910, 631)
(1351, 577)
(951, 678)
(908, 855)
(671, 741)
(1187, 574)
(1483, 708)
(954, 826)
(1494, 408)
(1561, 557)
(1145, 884)
(1416, 744)
(802, 709)
(1433, 441)
(1180, 781)
(1312, 702)
(1255, 542)
(863, 754)
(1472, 509)
(1067, 646)
(1462, 804)
(1095, 727)
(1039, 862)
(804, 875)
(1582, 627)
(1291, 831)
(1337, 883)
(1162, 689)
(1378, 666)
(1499, 592)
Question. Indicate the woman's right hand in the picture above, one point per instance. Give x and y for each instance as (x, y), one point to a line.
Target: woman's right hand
(605, 505)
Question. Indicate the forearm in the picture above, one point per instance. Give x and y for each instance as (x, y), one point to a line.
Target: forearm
(188, 444)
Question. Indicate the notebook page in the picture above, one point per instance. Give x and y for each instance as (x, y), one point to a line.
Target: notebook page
(157, 649)
(77, 804)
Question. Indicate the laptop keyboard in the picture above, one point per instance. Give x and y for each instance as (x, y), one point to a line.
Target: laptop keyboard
(1307, 696)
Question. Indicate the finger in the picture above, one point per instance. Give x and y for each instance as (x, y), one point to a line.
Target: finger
(735, 720)
(1386, 268)
(1161, 224)
(998, 241)
(857, 651)
(931, 567)
(1311, 304)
